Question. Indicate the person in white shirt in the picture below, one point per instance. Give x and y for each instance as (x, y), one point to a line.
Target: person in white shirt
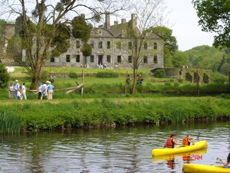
(39, 91)
(44, 89)
(23, 91)
(11, 90)
(17, 90)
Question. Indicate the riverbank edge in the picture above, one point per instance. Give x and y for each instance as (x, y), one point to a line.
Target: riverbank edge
(105, 112)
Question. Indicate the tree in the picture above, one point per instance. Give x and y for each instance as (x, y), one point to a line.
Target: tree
(47, 35)
(179, 59)
(214, 17)
(170, 43)
(149, 14)
(4, 76)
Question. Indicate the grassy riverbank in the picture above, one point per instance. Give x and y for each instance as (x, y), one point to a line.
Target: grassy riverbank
(91, 113)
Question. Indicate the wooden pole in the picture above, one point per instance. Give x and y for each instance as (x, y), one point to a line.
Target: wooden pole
(82, 89)
(74, 89)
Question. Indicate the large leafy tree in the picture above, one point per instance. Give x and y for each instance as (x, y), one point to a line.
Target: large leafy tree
(170, 43)
(214, 17)
(44, 30)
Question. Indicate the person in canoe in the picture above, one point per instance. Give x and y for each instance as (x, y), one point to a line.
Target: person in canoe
(227, 163)
(187, 140)
(171, 142)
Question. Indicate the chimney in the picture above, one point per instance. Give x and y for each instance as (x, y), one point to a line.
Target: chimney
(123, 21)
(107, 20)
(83, 15)
(134, 20)
(115, 23)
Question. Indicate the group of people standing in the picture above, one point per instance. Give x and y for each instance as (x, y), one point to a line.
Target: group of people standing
(17, 90)
(45, 90)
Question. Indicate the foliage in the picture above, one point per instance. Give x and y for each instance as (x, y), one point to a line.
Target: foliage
(4, 76)
(106, 75)
(73, 75)
(159, 73)
(86, 50)
(81, 29)
(214, 17)
(179, 59)
(180, 80)
(170, 43)
(9, 123)
(45, 76)
(218, 78)
(105, 112)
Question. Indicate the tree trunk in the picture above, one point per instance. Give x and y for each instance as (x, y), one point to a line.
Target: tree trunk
(134, 80)
(34, 82)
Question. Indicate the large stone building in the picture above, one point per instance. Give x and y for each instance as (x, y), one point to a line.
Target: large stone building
(110, 46)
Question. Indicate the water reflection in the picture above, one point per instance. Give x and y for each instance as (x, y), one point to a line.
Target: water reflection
(124, 149)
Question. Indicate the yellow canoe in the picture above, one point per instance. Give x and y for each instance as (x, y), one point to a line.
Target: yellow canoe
(172, 156)
(204, 168)
(179, 149)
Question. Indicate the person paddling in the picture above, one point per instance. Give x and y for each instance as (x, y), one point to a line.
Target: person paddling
(227, 163)
(171, 142)
(187, 140)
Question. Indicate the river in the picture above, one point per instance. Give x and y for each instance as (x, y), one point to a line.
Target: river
(121, 149)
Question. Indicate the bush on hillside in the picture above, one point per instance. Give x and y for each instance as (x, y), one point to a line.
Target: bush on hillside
(73, 75)
(218, 78)
(159, 73)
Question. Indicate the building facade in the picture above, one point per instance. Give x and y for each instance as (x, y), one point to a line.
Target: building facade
(111, 47)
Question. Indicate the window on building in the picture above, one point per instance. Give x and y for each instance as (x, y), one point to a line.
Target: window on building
(145, 45)
(118, 45)
(92, 58)
(67, 58)
(155, 45)
(108, 45)
(52, 59)
(119, 58)
(100, 45)
(77, 58)
(145, 59)
(78, 45)
(130, 59)
(108, 58)
(155, 59)
(130, 45)
(92, 44)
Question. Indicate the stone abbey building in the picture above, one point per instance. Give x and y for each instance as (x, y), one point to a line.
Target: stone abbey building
(110, 47)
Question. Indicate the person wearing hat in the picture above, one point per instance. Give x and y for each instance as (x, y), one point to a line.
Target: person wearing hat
(44, 89)
(39, 90)
(11, 90)
(17, 90)
(50, 91)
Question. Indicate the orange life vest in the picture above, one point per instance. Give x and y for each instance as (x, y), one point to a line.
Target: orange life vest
(185, 141)
(169, 143)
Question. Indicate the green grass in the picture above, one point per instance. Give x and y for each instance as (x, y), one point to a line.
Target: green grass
(83, 113)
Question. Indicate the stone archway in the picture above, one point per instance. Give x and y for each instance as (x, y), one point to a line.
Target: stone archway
(206, 78)
(188, 77)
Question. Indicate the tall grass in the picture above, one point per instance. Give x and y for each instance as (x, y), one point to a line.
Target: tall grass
(96, 113)
(9, 123)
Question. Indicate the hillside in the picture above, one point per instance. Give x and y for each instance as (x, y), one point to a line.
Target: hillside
(209, 58)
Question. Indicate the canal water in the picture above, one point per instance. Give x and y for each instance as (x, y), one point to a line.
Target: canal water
(122, 149)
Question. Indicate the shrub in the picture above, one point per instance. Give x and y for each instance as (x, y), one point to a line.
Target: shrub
(73, 75)
(168, 84)
(160, 73)
(9, 123)
(4, 76)
(180, 80)
(171, 80)
(218, 78)
(107, 75)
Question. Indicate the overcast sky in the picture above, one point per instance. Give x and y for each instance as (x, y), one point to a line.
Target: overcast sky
(184, 23)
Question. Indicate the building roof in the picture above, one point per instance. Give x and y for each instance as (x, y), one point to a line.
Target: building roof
(116, 30)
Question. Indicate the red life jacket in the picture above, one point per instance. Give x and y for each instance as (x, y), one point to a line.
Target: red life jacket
(169, 143)
(185, 141)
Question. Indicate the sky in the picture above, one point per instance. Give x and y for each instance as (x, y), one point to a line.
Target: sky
(184, 23)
